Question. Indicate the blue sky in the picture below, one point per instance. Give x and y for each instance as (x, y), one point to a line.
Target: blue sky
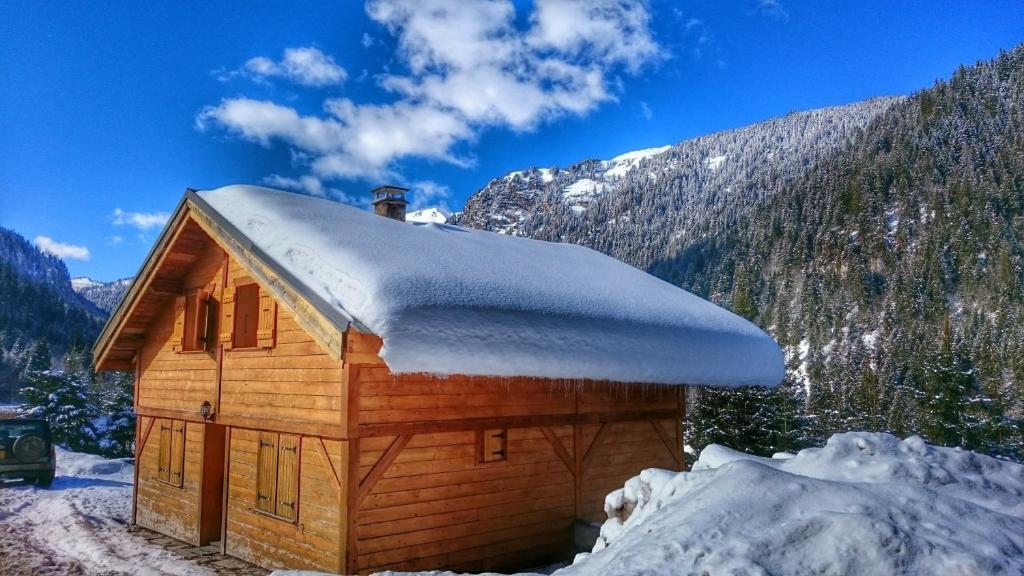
(107, 114)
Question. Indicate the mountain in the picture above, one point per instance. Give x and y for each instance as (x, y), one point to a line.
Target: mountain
(41, 316)
(104, 295)
(643, 205)
(881, 243)
(893, 271)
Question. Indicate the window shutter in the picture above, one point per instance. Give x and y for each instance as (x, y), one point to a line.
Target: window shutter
(164, 469)
(177, 452)
(267, 328)
(494, 445)
(288, 477)
(178, 337)
(266, 472)
(227, 317)
(201, 320)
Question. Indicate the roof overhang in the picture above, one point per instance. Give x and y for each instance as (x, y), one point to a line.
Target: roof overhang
(124, 333)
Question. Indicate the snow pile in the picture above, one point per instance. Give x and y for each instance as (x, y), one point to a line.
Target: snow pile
(863, 504)
(78, 525)
(435, 215)
(449, 300)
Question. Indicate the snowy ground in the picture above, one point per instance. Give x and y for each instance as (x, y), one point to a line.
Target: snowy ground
(864, 504)
(78, 525)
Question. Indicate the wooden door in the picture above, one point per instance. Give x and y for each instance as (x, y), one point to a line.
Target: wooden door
(211, 497)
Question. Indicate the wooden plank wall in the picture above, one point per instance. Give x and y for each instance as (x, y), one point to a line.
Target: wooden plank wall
(625, 449)
(168, 509)
(313, 543)
(295, 381)
(436, 507)
(170, 380)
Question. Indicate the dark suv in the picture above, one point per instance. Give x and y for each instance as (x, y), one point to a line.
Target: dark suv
(26, 450)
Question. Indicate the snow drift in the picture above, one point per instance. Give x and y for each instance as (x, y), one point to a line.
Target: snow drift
(449, 300)
(863, 504)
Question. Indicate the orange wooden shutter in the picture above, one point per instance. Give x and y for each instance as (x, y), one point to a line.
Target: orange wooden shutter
(202, 316)
(288, 477)
(227, 316)
(178, 337)
(164, 466)
(266, 472)
(266, 330)
(177, 467)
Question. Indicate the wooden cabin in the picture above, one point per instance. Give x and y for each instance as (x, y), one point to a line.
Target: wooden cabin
(279, 420)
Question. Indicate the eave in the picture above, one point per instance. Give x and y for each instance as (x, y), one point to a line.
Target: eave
(124, 332)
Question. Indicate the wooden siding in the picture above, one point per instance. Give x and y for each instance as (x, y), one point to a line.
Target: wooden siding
(170, 380)
(295, 380)
(313, 542)
(168, 509)
(436, 506)
(625, 449)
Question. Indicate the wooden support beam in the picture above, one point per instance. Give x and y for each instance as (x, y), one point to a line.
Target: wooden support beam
(140, 445)
(563, 454)
(436, 426)
(166, 287)
(594, 445)
(669, 444)
(226, 492)
(396, 447)
(288, 426)
(322, 451)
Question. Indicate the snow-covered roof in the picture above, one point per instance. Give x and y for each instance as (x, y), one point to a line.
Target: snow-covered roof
(448, 300)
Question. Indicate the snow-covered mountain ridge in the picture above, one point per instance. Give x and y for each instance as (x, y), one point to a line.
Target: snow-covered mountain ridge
(642, 205)
(105, 295)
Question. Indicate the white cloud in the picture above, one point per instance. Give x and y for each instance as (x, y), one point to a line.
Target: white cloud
(312, 186)
(468, 67)
(645, 110)
(772, 9)
(367, 40)
(305, 66)
(140, 220)
(429, 194)
(60, 249)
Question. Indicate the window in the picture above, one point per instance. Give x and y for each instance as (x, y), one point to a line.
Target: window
(492, 445)
(251, 316)
(172, 452)
(277, 475)
(191, 321)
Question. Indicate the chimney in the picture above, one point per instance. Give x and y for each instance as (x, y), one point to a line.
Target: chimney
(390, 201)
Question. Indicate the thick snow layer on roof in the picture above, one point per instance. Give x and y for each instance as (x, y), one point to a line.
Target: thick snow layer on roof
(448, 300)
(863, 504)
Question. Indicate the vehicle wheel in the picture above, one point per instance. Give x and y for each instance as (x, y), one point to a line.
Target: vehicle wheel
(29, 448)
(45, 479)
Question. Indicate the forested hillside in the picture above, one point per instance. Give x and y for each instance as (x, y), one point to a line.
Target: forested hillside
(881, 244)
(41, 317)
(892, 272)
(104, 295)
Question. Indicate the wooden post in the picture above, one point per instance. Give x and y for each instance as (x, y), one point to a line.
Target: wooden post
(226, 492)
(350, 384)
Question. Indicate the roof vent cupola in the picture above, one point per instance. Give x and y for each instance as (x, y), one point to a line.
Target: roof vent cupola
(390, 201)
